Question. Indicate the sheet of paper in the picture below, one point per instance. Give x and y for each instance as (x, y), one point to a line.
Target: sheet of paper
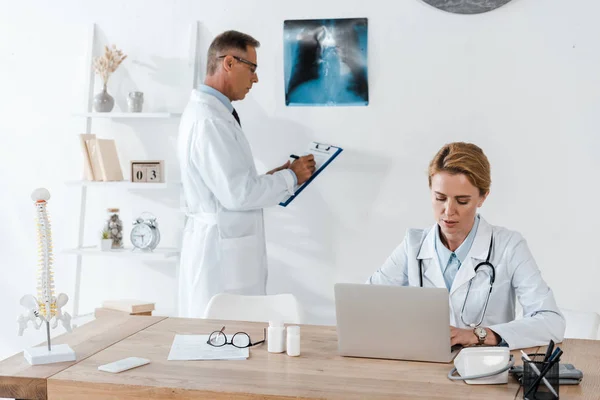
(194, 347)
(323, 155)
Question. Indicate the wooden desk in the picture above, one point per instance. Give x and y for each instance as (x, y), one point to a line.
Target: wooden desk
(318, 373)
(20, 380)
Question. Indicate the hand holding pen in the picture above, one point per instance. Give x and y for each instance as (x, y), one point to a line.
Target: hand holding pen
(303, 167)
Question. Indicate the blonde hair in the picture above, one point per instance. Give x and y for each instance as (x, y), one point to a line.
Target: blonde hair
(463, 158)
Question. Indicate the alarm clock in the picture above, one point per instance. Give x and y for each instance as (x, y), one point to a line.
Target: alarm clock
(145, 234)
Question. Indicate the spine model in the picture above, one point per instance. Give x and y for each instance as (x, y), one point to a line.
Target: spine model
(46, 307)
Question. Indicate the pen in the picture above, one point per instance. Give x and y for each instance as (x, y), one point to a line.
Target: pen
(549, 350)
(539, 374)
(556, 353)
(295, 157)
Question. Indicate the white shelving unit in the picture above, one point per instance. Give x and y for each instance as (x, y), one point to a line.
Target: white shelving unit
(160, 253)
(127, 115)
(123, 184)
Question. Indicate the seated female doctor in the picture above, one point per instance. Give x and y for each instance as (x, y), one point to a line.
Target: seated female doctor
(452, 254)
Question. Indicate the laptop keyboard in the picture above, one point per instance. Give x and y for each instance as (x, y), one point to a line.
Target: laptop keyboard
(456, 347)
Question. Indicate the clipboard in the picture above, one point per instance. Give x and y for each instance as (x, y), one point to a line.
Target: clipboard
(324, 154)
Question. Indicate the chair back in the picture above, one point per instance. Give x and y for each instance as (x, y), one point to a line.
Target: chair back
(235, 307)
(581, 324)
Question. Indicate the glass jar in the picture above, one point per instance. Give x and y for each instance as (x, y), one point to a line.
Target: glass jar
(135, 101)
(114, 225)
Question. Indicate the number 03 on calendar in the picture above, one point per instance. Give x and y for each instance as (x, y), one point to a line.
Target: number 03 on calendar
(147, 171)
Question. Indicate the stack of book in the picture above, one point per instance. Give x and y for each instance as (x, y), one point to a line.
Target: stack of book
(131, 307)
(100, 159)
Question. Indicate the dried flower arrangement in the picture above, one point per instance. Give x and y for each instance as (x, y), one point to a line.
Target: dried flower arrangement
(108, 63)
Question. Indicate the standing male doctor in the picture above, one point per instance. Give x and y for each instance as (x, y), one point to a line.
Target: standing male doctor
(223, 247)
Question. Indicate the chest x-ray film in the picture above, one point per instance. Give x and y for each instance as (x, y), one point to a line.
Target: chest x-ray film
(325, 62)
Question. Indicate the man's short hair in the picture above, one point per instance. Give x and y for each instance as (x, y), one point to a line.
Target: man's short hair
(227, 41)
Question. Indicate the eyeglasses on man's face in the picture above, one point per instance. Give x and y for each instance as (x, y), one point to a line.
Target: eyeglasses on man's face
(240, 340)
(252, 66)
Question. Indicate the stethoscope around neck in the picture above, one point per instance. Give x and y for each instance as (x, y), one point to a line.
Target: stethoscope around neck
(486, 263)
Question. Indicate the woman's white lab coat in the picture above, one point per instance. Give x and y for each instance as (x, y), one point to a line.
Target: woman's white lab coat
(516, 275)
(223, 247)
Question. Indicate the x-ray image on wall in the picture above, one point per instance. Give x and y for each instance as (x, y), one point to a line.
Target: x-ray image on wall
(325, 62)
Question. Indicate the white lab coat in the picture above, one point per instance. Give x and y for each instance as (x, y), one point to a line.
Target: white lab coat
(223, 247)
(516, 275)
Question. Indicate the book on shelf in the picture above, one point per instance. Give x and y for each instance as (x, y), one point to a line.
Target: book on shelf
(87, 163)
(109, 160)
(94, 158)
(103, 159)
(107, 312)
(129, 305)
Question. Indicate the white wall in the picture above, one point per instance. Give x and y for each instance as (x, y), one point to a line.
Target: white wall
(521, 82)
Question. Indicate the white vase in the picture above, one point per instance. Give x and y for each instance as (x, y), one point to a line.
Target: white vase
(106, 244)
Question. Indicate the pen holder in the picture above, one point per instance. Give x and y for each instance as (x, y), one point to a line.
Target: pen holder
(531, 372)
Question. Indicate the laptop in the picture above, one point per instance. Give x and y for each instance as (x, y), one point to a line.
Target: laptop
(393, 322)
